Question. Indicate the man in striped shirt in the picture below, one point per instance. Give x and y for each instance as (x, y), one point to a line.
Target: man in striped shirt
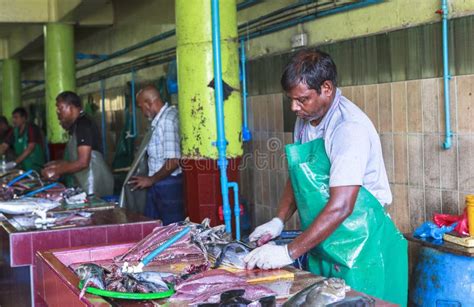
(164, 181)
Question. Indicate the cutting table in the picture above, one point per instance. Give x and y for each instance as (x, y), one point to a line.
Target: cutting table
(59, 282)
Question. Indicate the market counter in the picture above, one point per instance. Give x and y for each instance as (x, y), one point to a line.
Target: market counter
(18, 248)
(59, 285)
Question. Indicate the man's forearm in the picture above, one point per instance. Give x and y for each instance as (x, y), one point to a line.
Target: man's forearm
(287, 205)
(167, 169)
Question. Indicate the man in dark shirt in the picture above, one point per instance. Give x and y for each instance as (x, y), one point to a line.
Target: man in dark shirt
(26, 141)
(83, 158)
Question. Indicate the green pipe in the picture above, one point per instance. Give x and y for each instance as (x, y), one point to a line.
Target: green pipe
(59, 73)
(197, 110)
(11, 87)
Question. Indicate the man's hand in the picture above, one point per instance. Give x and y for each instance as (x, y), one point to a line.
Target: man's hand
(53, 170)
(268, 256)
(140, 182)
(267, 231)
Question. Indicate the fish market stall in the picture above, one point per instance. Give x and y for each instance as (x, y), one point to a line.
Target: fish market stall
(199, 266)
(88, 224)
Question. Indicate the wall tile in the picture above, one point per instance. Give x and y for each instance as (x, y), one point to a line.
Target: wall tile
(432, 203)
(415, 160)
(449, 166)
(264, 113)
(400, 159)
(462, 200)
(415, 114)
(387, 151)
(278, 101)
(250, 111)
(431, 148)
(429, 100)
(416, 203)
(270, 110)
(465, 96)
(257, 112)
(400, 204)
(452, 102)
(372, 104)
(399, 106)
(258, 182)
(347, 92)
(266, 187)
(466, 162)
(450, 202)
(273, 189)
(359, 96)
(385, 107)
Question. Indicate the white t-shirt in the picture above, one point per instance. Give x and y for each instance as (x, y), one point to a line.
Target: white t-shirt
(352, 145)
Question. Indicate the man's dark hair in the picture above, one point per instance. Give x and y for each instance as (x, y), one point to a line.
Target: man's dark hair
(20, 111)
(3, 120)
(311, 67)
(70, 98)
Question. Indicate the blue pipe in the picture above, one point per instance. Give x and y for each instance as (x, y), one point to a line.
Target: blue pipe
(246, 134)
(221, 142)
(235, 187)
(45, 188)
(133, 134)
(446, 75)
(165, 245)
(18, 178)
(294, 22)
(104, 134)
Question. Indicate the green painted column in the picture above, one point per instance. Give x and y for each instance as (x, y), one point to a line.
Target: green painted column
(11, 87)
(195, 71)
(60, 73)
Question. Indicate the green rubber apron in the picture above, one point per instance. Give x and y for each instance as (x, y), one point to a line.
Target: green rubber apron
(366, 250)
(97, 179)
(35, 160)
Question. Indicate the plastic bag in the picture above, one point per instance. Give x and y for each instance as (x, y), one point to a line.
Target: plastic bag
(446, 220)
(431, 230)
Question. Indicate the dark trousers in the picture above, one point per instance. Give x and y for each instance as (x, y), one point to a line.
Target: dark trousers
(165, 200)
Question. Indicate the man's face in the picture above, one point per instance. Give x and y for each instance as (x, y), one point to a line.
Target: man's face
(18, 120)
(308, 104)
(65, 114)
(145, 106)
(3, 127)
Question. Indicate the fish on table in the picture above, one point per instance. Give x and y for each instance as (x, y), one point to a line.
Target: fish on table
(321, 293)
(27, 205)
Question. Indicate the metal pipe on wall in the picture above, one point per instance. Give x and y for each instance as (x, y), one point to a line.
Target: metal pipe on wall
(446, 76)
(246, 134)
(103, 121)
(221, 142)
(133, 133)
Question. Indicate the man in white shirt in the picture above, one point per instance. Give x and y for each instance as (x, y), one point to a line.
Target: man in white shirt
(339, 186)
(164, 181)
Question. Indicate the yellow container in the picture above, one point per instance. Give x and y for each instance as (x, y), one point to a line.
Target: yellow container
(470, 213)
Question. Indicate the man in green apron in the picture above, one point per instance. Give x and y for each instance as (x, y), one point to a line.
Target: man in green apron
(84, 161)
(26, 140)
(339, 186)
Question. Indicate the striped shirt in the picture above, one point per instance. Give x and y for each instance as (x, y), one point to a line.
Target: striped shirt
(164, 143)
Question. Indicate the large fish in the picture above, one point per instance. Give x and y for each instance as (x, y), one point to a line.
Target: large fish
(232, 255)
(27, 205)
(91, 275)
(321, 293)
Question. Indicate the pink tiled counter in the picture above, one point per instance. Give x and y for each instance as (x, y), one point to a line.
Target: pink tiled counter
(18, 248)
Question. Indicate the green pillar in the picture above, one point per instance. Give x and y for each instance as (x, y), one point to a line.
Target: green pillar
(11, 87)
(195, 71)
(60, 73)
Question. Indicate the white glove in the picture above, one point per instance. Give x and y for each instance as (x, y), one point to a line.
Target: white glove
(273, 229)
(268, 256)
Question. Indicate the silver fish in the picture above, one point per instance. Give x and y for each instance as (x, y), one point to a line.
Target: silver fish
(233, 255)
(321, 293)
(155, 278)
(27, 205)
